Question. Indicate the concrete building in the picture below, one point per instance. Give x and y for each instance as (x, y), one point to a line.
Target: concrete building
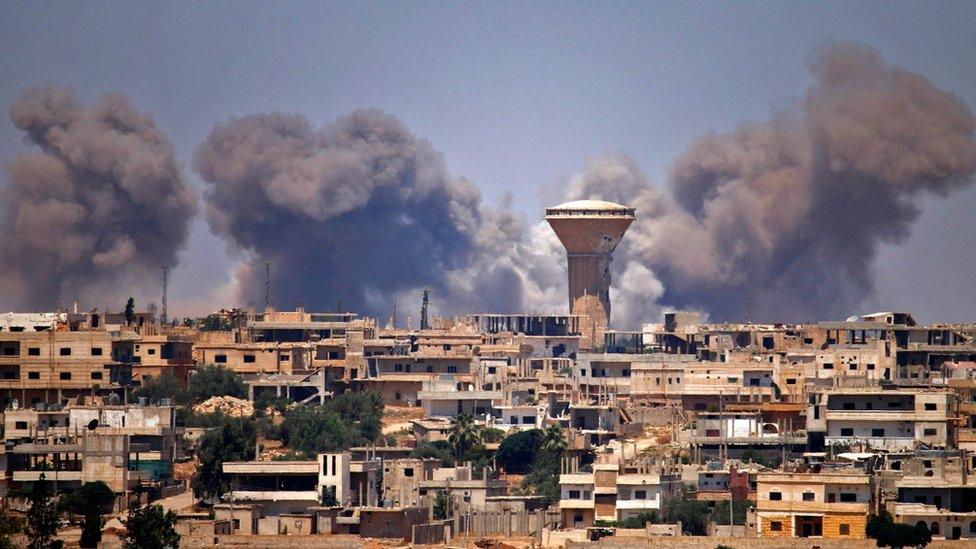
(883, 418)
(615, 491)
(828, 504)
(294, 488)
(127, 447)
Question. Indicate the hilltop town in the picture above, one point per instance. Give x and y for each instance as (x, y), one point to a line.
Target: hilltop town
(273, 428)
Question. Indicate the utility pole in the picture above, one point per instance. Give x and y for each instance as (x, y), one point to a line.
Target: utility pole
(163, 317)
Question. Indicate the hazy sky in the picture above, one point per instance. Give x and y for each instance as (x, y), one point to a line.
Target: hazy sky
(516, 95)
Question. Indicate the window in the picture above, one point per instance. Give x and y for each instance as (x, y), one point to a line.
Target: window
(33, 375)
(640, 494)
(844, 529)
(847, 432)
(65, 376)
(776, 526)
(528, 420)
(97, 351)
(220, 359)
(65, 351)
(775, 496)
(492, 369)
(848, 497)
(808, 496)
(452, 369)
(249, 359)
(574, 494)
(96, 375)
(284, 357)
(849, 406)
(398, 396)
(34, 351)
(20, 425)
(791, 381)
(408, 472)
(877, 432)
(828, 366)
(931, 406)
(929, 432)
(870, 366)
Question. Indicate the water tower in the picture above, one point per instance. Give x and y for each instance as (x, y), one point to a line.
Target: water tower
(590, 230)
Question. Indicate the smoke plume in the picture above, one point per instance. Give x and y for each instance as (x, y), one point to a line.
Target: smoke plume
(103, 203)
(352, 215)
(788, 214)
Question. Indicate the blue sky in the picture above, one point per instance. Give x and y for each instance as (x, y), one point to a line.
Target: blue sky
(516, 95)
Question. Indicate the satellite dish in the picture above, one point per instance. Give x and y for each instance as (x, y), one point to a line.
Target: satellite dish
(93, 424)
(15, 404)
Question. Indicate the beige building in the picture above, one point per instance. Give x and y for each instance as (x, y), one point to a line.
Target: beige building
(828, 504)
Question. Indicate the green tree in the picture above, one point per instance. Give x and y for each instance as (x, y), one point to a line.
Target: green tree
(233, 440)
(215, 323)
(463, 435)
(554, 442)
(641, 520)
(214, 380)
(438, 449)
(692, 514)
(130, 311)
(888, 533)
(165, 385)
(90, 494)
(42, 518)
(91, 530)
(150, 527)
(9, 525)
(720, 514)
(517, 453)
(490, 434)
(440, 505)
(350, 419)
(329, 496)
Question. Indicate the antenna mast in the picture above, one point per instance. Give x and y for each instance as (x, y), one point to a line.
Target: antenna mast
(164, 318)
(267, 285)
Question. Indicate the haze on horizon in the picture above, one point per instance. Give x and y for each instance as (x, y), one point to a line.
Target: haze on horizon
(819, 158)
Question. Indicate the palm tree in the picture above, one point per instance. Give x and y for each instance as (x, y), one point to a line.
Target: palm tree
(463, 435)
(553, 442)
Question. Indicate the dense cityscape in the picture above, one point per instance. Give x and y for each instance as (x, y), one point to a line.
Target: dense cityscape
(498, 275)
(489, 429)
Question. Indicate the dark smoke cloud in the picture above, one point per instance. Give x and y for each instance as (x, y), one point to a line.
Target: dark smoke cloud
(792, 211)
(353, 213)
(103, 203)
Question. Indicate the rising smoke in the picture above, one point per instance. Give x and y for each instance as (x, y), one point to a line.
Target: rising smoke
(789, 214)
(102, 205)
(353, 214)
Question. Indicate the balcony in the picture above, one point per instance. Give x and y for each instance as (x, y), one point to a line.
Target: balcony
(630, 504)
(52, 476)
(274, 495)
(577, 504)
(766, 506)
(885, 415)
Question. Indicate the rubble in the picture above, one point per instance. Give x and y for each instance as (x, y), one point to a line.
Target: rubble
(227, 405)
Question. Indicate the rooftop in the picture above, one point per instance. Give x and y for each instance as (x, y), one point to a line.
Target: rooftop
(584, 207)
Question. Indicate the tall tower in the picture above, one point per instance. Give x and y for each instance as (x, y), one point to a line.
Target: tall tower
(590, 230)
